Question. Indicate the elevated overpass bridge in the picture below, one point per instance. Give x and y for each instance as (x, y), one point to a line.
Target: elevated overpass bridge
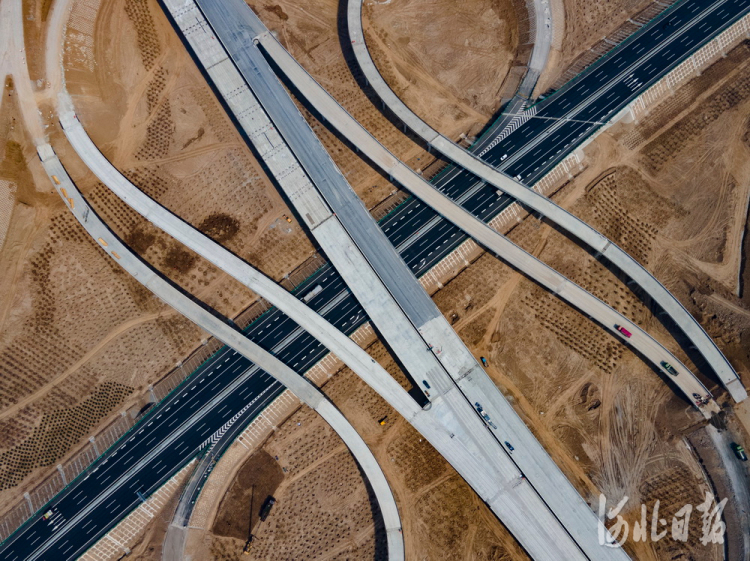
(415, 230)
(565, 120)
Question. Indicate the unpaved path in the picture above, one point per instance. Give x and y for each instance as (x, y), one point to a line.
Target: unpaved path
(112, 335)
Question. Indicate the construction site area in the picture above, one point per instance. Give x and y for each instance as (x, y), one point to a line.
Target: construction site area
(83, 344)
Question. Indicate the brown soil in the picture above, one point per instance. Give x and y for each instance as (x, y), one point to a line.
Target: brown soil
(80, 339)
(668, 193)
(239, 513)
(444, 59)
(607, 419)
(311, 34)
(324, 509)
(676, 200)
(156, 119)
(588, 22)
(35, 14)
(56, 278)
(585, 24)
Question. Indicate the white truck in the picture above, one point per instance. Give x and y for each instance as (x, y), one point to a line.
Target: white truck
(484, 415)
(312, 294)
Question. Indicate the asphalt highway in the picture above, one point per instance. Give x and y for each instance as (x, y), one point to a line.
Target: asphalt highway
(564, 120)
(165, 440)
(175, 430)
(578, 229)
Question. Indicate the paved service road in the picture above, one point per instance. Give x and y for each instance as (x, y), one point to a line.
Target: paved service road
(564, 120)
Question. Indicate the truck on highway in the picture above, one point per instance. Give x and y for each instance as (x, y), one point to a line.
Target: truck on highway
(739, 451)
(484, 415)
(312, 294)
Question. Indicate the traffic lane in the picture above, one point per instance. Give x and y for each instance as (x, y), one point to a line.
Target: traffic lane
(160, 463)
(151, 478)
(204, 468)
(537, 127)
(344, 320)
(425, 219)
(604, 74)
(136, 443)
(144, 436)
(640, 45)
(629, 55)
(482, 209)
(136, 446)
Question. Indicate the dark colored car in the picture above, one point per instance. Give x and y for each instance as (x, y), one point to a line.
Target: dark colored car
(668, 367)
(739, 451)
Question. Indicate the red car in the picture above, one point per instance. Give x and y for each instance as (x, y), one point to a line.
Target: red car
(624, 331)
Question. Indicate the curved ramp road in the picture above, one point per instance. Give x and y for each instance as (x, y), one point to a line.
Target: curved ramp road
(397, 305)
(575, 112)
(220, 328)
(337, 116)
(231, 21)
(514, 500)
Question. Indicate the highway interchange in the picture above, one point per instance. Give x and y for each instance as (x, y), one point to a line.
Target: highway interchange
(337, 117)
(249, 388)
(421, 237)
(562, 508)
(695, 337)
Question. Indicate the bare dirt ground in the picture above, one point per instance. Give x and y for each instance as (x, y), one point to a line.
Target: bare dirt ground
(461, 53)
(673, 192)
(34, 30)
(311, 34)
(68, 324)
(80, 339)
(608, 420)
(324, 509)
(585, 23)
(239, 512)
